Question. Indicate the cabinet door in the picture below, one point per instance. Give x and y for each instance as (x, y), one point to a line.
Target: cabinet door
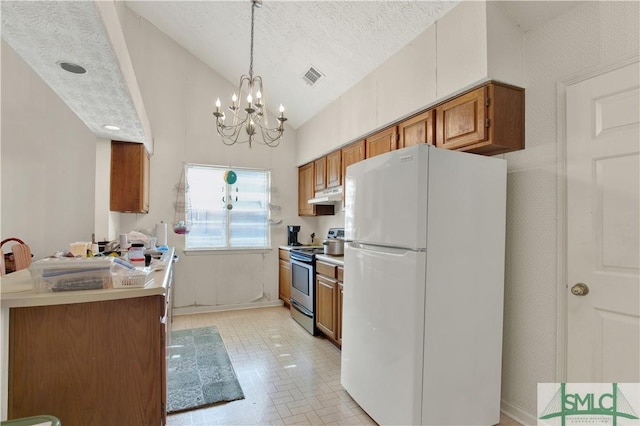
(129, 177)
(334, 169)
(97, 363)
(351, 154)
(339, 313)
(320, 166)
(416, 130)
(306, 185)
(462, 121)
(381, 142)
(325, 302)
(284, 281)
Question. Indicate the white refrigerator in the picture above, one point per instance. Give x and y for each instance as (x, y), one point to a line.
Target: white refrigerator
(423, 286)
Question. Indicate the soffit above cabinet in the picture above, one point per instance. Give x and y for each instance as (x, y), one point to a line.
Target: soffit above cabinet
(88, 34)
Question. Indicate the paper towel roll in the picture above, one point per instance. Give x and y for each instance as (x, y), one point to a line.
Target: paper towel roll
(124, 242)
(161, 234)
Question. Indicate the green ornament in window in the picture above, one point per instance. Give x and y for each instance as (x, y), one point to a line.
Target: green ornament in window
(230, 177)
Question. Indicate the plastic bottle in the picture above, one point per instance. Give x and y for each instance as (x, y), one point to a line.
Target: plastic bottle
(136, 254)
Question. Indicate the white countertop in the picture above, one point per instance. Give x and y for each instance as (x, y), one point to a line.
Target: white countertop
(17, 290)
(338, 260)
(295, 247)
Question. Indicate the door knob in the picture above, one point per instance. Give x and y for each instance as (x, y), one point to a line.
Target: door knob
(580, 289)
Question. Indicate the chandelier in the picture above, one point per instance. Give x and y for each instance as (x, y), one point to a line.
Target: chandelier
(253, 118)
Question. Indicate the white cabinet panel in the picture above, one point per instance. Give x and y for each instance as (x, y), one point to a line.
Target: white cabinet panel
(462, 47)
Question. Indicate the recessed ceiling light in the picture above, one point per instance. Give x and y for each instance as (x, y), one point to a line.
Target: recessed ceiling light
(71, 67)
(110, 127)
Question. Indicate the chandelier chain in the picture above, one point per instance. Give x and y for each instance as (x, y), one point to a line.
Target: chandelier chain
(253, 11)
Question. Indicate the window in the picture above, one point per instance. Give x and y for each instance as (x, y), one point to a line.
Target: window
(228, 216)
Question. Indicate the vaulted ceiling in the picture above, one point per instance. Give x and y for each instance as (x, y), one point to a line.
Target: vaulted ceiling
(343, 40)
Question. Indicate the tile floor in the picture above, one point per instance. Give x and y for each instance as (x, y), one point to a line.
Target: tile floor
(288, 376)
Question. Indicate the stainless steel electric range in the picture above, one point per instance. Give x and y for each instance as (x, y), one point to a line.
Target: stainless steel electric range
(303, 278)
(303, 273)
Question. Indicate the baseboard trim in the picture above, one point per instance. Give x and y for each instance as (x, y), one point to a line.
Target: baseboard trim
(517, 413)
(203, 309)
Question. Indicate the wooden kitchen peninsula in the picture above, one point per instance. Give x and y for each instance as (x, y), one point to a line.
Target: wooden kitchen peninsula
(90, 357)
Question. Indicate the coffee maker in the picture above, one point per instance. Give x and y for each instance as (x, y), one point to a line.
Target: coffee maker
(292, 235)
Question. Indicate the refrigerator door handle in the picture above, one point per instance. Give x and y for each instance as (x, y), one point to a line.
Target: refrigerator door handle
(384, 248)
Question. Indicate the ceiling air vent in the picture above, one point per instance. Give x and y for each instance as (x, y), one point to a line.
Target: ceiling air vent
(312, 76)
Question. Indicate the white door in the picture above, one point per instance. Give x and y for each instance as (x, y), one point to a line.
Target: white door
(603, 212)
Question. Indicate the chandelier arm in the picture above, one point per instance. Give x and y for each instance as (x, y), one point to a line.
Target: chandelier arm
(271, 137)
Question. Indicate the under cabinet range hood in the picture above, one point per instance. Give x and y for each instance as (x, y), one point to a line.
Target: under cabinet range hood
(327, 196)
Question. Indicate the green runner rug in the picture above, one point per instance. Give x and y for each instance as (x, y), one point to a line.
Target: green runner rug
(199, 371)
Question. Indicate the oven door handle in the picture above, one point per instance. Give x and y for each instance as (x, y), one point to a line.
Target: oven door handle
(298, 307)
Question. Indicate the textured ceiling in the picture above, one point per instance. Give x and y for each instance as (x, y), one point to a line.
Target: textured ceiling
(345, 40)
(45, 33)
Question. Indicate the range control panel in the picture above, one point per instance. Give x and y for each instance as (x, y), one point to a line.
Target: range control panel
(335, 233)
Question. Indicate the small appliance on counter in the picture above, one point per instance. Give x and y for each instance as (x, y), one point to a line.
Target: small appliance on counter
(334, 244)
(292, 235)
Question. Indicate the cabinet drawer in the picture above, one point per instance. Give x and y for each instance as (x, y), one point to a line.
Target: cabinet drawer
(340, 273)
(326, 269)
(284, 255)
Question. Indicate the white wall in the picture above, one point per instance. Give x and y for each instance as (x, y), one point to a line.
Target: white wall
(451, 55)
(589, 35)
(178, 92)
(48, 163)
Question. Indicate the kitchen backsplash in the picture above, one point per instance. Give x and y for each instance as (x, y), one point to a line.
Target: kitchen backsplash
(318, 225)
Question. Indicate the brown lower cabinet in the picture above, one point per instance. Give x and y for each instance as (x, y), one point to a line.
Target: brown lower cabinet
(339, 310)
(284, 276)
(93, 363)
(329, 300)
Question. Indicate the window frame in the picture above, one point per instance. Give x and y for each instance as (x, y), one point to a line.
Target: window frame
(228, 222)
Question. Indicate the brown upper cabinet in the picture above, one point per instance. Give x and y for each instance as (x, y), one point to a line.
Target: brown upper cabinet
(328, 171)
(306, 191)
(334, 169)
(320, 172)
(381, 142)
(418, 129)
(129, 177)
(351, 154)
(488, 120)
(306, 187)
